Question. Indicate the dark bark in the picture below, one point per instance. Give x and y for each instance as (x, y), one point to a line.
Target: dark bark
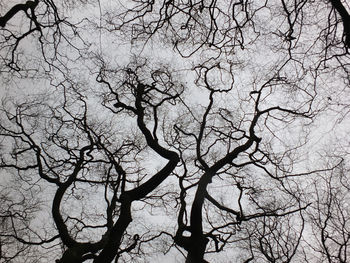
(60, 224)
(198, 241)
(196, 252)
(110, 250)
(147, 187)
(345, 19)
(15, 9)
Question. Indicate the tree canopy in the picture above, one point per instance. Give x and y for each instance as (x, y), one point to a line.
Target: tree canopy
(177, 131)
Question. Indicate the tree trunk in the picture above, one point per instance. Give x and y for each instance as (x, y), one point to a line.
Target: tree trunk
(196, 250)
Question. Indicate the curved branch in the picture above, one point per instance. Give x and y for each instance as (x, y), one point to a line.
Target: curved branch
(15, 9)
(337, 5)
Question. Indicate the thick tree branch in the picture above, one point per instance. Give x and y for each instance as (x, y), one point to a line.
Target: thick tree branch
(337, 4)
(15, 9)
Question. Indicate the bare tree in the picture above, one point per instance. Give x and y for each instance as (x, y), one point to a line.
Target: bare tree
(36, 37)
(203, 113)
(232, 149)
(67, 151)
(330, 217)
